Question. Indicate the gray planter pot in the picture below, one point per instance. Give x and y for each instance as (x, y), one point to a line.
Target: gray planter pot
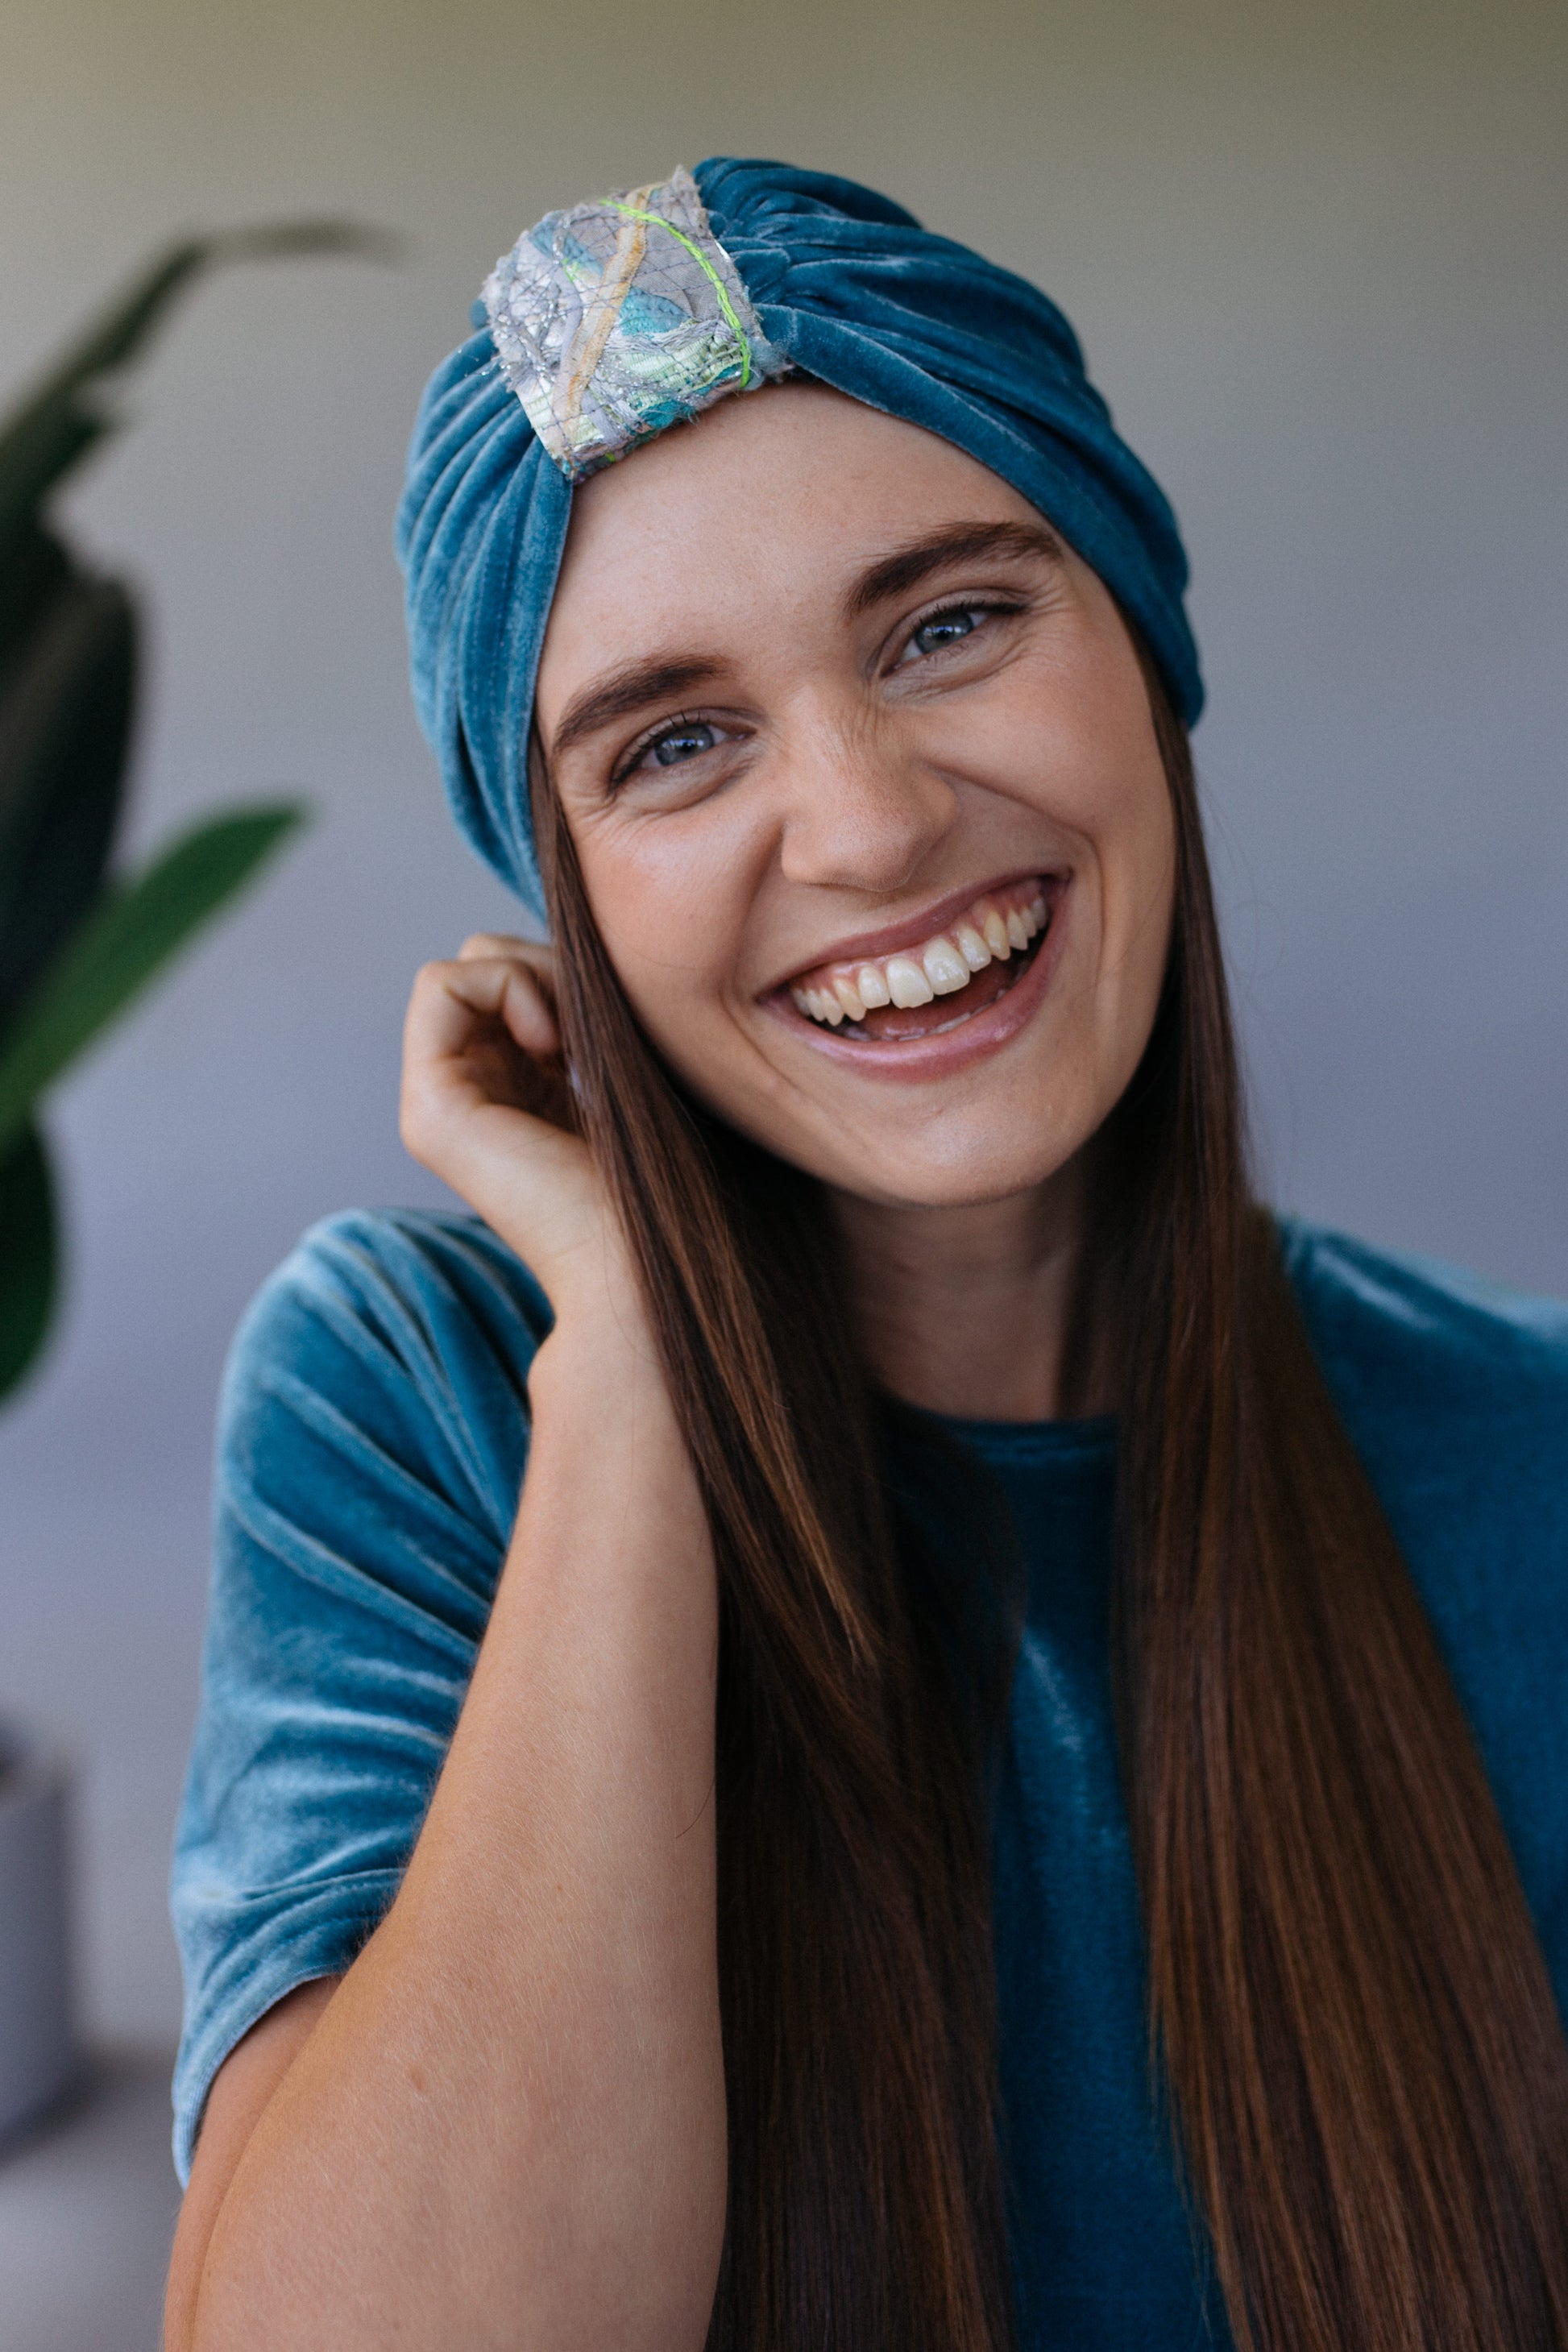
(38, 2049)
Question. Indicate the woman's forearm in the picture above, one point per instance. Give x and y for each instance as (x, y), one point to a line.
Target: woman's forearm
(507, 2126)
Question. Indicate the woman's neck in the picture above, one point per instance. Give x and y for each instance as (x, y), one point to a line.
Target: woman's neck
(970, 1310)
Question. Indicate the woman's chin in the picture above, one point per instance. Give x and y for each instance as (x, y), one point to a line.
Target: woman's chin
(961, 1164)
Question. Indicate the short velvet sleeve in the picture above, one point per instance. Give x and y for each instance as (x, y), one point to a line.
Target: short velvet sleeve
(371, 1437)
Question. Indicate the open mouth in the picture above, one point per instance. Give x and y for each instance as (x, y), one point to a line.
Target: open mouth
(938, 983)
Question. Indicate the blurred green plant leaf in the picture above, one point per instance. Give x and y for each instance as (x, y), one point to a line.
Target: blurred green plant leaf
(56, 425)
(33, 575)
(30, 1254)
(133, 931)
(65, 707)
(74, 950)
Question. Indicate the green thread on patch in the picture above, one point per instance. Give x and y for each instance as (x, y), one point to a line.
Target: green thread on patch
(657, 220)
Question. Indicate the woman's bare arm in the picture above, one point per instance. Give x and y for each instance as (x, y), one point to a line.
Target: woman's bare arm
(505, 2125)
(245, 2082)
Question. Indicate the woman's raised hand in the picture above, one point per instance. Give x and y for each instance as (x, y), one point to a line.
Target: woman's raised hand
(486, 1104)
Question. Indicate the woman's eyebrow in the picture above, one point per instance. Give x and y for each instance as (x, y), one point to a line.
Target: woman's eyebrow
(624, 691)
(963, 542)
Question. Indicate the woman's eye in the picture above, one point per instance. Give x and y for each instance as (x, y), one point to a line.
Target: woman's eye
(681, 743)
(677, 744)
(945, 629)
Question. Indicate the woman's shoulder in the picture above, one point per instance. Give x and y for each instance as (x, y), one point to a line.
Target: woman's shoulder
(391, 1340)
(394, 1271)
(1439, 1358)
(1454, 1393)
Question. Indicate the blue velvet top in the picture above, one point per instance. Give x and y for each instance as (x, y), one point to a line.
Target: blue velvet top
(374, 1434)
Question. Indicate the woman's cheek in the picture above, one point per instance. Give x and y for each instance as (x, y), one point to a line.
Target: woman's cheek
(669, 957)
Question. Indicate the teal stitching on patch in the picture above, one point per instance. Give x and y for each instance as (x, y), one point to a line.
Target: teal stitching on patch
(657, 220)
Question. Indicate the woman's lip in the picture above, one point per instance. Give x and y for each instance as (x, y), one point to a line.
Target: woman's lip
(914, 929)
(921, 1059)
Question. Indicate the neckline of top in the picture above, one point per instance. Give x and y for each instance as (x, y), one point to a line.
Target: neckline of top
(1089, 1439)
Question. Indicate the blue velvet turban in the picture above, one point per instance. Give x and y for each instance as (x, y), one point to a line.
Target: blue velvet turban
(851, 290)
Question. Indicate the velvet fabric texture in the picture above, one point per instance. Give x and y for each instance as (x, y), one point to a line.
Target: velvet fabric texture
(861, 297)
(373, 1442)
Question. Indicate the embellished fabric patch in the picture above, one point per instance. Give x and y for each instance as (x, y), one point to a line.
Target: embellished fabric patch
(616, 319)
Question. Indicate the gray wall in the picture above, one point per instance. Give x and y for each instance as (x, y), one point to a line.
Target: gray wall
(1317, 257)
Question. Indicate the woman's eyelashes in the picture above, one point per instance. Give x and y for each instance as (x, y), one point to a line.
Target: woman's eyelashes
(674, 743)
(952, 628)
(682, 742)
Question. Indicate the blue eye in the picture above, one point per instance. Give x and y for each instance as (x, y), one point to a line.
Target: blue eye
(944, 629)
(683, 743)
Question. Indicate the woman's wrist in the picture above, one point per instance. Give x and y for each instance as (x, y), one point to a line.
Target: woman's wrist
(602, 1340)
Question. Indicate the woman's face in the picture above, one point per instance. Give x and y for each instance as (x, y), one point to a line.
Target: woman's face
(861, 770)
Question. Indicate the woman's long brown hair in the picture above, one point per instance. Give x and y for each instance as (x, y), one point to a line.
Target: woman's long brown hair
(1347, 2006)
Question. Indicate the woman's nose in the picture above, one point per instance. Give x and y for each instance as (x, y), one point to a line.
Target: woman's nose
(863, 811)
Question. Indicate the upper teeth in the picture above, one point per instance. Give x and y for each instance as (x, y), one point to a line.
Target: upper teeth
(940, 967)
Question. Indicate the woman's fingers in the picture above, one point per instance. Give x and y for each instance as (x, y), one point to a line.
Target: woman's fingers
(453, 998)
(533, 961)
(477, 1034)
(487, 1105)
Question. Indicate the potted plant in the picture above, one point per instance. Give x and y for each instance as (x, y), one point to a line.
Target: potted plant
(78, 941)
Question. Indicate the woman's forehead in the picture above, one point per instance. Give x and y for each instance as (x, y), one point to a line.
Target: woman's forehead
(795, 487)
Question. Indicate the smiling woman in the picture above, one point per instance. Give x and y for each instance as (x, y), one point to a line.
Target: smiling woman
(1002, 1785)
